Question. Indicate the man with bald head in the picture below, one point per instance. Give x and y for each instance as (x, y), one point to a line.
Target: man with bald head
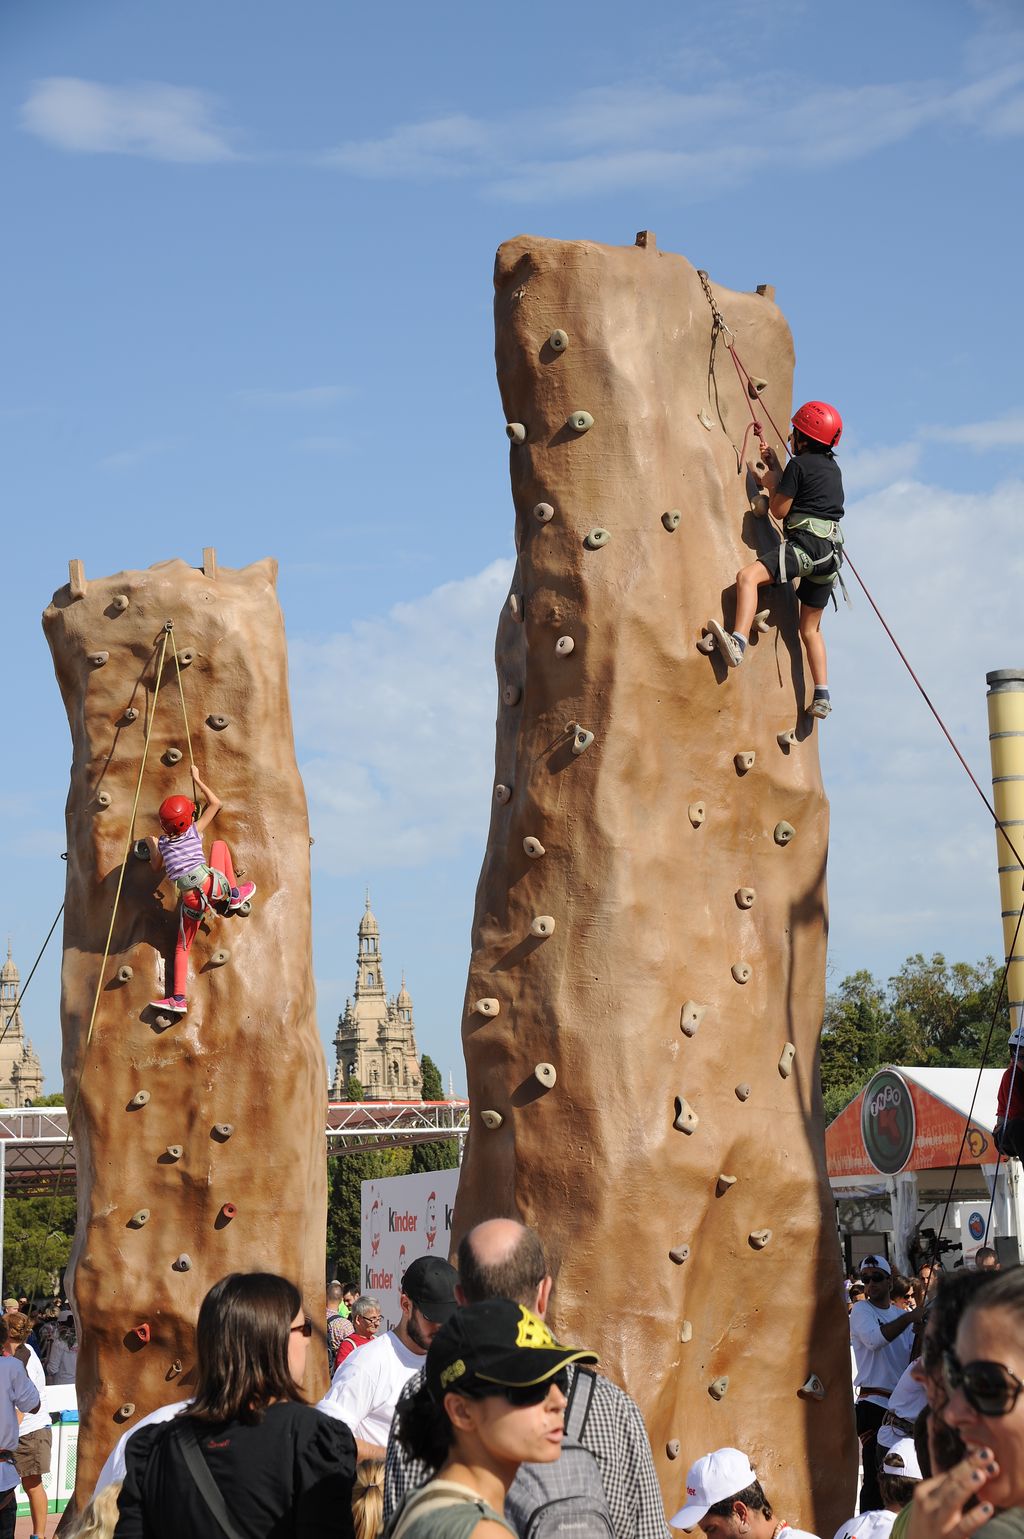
(504, 1259)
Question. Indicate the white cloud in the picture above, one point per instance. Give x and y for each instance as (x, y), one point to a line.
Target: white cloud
(395, 727)
(127, 459)
(161, 122)
(308, 398)
(1004, 432)
(865, 469)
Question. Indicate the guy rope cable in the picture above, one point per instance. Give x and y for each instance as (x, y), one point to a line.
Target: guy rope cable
(24, 988)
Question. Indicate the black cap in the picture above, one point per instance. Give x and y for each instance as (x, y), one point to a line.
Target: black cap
(496, 1343)
(430, 1283)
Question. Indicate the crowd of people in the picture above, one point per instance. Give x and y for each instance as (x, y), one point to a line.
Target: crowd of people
(468, 1418)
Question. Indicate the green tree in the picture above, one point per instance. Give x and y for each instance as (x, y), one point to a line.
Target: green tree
(37, 1243)
(346, 1173)
(444, 1153)
(55, 1098)
(851, 1040)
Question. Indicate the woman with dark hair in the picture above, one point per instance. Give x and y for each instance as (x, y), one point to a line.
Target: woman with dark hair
(247, 1459)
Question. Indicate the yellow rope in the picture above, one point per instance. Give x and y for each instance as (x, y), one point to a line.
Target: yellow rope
(184, 713)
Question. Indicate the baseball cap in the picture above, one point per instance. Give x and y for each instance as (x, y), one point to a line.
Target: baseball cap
(901, 1459)
(494, 1343)
(712, 1479)
(869, 1525)
(1017, 1037)
(876, 1264)
(430, 1283)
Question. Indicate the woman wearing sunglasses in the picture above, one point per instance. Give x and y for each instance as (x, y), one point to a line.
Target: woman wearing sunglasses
(984, 1378)
(247, 1458)
(492, 1398)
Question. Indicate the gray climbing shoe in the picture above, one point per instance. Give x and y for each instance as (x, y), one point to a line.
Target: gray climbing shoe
(820, 708)
(726, 644)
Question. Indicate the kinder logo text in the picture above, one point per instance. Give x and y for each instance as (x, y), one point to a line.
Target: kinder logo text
(402, 1223)
(377, 1279)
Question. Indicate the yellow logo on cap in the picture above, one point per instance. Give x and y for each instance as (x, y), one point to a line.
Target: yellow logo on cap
(533, 1332)
(452, 1372)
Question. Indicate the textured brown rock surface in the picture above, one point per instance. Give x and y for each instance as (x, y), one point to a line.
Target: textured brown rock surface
(248, 1052)
(649, 917)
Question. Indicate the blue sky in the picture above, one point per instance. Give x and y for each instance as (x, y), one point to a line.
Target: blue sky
(246, 273)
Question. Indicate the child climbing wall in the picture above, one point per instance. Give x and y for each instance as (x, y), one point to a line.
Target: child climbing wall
(647, 979)
(199, 1141)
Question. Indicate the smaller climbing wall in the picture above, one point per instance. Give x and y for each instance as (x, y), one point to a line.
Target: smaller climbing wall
(199, 1140)
(647, 980)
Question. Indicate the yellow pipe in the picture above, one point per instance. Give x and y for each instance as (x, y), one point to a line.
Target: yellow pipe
(1006, 747)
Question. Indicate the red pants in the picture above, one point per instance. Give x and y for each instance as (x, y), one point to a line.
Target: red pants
(193, 909)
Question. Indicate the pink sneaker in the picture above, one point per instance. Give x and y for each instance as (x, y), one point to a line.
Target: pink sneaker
(174, 1004)
(243, 893)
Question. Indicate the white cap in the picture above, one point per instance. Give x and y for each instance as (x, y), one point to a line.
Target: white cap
(902, 1459)
(869, 1525)
(876, 1264)
(1017, 1037)
(712, 1479)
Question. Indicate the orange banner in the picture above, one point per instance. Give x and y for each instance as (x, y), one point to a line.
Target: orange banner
(895, 1125)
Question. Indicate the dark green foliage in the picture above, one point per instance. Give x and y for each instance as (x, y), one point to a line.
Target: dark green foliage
(345, 1175)
(430, 1078)
(443, 1155)
(37, 1243)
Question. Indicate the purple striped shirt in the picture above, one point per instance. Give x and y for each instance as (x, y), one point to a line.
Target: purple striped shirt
(182, 854)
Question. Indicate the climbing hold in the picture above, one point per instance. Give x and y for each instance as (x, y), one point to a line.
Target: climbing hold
(543, 926)
(491, 1119)
(786, 1060)
(172, 756)
(581, 421)
(707, 645)
(558, 341)
(125, 974)
(502, 794)
(186, 657)
(98, 658)
(140, 1098)
(245, 907)
(761, 621)
(516, 432)
(723, 1184)
(218, 723)
(511, 694)
(745, 897)
(813, 1388)
(220, 957)
(718, 1387)
(690, 1017)
(161, 1022)
(696, 813)
(596, 538)
(744, 761)
(515, 606)
(223, 1130)
(672, 1448)
(686, 1118)
(760, 504)
(228, 1211)
(672, 519)
(582, 740)
(786, 739)
(174, 1151)
(124, 1411)
(741, 971)
(679, 1255)
(488, 1007)
(138, 1219)
(142, 1331)
(545, 1074)
(120, 601)
(685, 1332)
(743, 1091)
(130, 715)
(103, 798)
(182, 1263)
(783, 833)
(759, 1238)
(543, 512)
(704, 419)
(564, 645)
(755, 386)
(174, 1369)
(533, 847)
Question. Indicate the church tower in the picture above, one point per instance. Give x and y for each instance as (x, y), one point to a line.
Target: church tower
(21, 1078)
(376, 1041)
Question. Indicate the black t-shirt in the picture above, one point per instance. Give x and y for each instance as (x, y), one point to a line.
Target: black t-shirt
(288, 1477)
(815, 483)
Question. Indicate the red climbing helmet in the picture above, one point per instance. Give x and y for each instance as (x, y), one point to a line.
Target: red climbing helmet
(176, 814)
(820, 421)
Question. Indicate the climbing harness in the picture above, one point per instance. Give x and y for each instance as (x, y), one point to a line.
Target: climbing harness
(824, 529)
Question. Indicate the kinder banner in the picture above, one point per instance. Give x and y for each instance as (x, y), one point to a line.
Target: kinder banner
(403, 1217)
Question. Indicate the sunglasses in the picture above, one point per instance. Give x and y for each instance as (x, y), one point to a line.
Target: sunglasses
(530, 1394)
(306, 1329)
(989, 1388)
(875, 1276)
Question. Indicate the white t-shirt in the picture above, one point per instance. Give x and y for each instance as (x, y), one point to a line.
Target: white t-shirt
(788, 1532)
(907, 1401)
(366, 1387)
(879, 1362)
(869, 1525)
(114, 1469)
(35, 1421)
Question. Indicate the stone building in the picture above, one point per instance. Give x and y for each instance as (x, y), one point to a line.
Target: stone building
(21, 1078)
(375, 1040)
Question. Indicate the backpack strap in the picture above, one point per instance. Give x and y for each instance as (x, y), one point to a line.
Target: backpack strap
(581, 1398)
(185, 1435)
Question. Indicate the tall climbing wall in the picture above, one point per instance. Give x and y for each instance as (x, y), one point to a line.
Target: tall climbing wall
(199, 1140)
(646, 987)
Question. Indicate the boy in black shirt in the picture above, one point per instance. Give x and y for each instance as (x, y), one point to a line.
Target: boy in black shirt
(807, 496)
